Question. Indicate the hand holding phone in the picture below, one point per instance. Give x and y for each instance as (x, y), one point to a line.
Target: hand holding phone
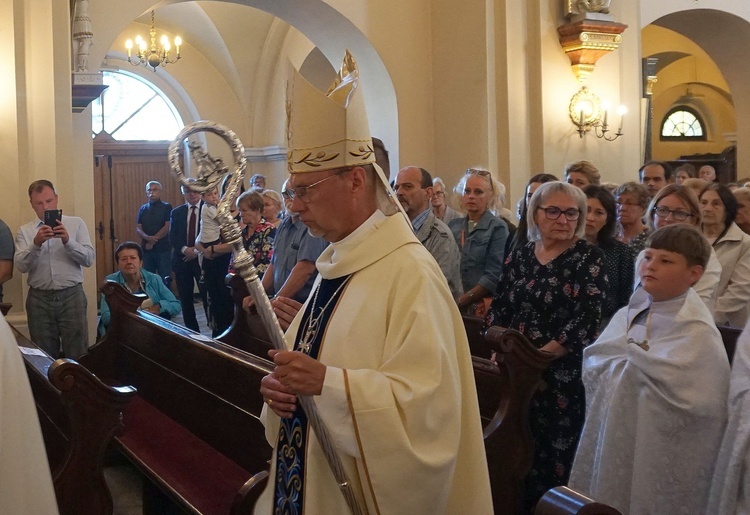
(51, 216)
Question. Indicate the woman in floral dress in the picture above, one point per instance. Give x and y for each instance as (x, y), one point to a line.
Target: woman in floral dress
(552, 290)
(258, 234)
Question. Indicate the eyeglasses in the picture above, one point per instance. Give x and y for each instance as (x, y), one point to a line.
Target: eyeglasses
(438, 194)
(287, 194)
(300, 192)
(553, 213)
(481, 173)
(679, 215)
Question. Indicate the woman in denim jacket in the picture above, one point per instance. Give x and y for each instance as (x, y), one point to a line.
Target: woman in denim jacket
(481, 238)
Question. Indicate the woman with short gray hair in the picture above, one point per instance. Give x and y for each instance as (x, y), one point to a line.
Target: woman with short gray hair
(552, 290)
(439, 201)
(632, 201)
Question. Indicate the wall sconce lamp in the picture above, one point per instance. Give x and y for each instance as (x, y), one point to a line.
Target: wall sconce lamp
(588, 113)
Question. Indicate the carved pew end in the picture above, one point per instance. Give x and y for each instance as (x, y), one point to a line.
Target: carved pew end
(564, 501)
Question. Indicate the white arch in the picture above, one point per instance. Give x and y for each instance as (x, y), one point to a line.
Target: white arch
(652, 11)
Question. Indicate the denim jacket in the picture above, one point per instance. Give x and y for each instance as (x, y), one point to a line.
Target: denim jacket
(482, 250)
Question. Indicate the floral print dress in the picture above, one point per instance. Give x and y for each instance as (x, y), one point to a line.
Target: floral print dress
(259, 244)
(560, 301)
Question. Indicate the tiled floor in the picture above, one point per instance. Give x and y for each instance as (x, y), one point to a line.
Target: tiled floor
(125, 484)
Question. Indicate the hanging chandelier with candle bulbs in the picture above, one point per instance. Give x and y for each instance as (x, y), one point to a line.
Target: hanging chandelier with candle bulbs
(153, 56)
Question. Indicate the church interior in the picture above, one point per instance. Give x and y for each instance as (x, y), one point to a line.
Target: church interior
(448, 86)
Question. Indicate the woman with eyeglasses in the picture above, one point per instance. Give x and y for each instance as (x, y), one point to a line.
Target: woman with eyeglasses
(675, 204)
(619, 258)
(440, 206)
(552, 290)
(632, 201)
(719, 209)
(481, 237)
(257, 233)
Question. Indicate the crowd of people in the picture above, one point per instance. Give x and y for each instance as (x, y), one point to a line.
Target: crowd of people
(625, 285)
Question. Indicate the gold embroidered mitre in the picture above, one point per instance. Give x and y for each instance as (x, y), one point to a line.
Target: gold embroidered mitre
(327, 131)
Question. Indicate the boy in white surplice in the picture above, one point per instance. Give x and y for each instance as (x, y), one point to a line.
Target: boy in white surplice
(656, 387)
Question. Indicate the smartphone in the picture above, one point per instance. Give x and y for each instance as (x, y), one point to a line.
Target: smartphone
(51, 216)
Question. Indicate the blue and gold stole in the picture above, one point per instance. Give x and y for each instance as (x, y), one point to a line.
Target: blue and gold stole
(291, 446)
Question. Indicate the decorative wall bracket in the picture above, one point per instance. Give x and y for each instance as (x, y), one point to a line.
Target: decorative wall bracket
(86, 87)
(586, 41)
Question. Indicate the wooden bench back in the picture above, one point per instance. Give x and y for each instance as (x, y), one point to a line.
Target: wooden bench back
(78, 415)
(565, 501)
(246, 332)
(209, 388)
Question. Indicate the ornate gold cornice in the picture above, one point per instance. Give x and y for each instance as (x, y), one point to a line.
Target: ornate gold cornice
(586, 41)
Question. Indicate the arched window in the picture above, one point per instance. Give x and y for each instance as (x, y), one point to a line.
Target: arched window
(683, 123)
(133, 109)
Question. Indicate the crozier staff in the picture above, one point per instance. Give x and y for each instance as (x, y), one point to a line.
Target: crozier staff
(379, 342)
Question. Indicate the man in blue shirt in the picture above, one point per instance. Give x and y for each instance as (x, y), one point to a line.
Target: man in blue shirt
(153, 228)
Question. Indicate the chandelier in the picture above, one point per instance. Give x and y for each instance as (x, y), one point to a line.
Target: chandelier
(153, 56)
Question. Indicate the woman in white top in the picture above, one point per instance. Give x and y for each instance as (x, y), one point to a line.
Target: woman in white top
(732, 246)
(676, 204)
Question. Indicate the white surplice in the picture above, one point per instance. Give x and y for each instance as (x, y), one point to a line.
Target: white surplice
(25, 480)
(730, 491)
(656, 408)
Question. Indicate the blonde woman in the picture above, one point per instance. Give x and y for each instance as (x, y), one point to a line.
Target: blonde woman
(481, 238)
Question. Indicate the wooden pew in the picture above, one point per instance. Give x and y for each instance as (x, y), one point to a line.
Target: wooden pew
(564, 501)
(78, 415)
(193, 428)
(505, 387)
(477, 343)
(247, 331)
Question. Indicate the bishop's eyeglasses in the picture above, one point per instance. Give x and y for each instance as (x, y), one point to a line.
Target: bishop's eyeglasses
(300, 192)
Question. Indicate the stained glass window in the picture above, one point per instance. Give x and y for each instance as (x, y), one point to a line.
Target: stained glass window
(133, 109)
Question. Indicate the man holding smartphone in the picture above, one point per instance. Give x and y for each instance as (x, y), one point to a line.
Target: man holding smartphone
(53, 249)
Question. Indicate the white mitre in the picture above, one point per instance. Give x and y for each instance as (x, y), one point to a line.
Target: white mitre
(329, 131)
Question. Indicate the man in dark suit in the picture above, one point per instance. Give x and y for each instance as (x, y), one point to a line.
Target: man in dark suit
(183, 228)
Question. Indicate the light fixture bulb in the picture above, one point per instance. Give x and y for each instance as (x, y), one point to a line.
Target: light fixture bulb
(129, 44)
(622, 110)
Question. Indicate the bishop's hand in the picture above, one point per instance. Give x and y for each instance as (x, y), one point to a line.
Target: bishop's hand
(298, 372)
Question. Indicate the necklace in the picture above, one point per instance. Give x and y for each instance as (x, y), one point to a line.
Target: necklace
(643, 344)
(313, 321)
